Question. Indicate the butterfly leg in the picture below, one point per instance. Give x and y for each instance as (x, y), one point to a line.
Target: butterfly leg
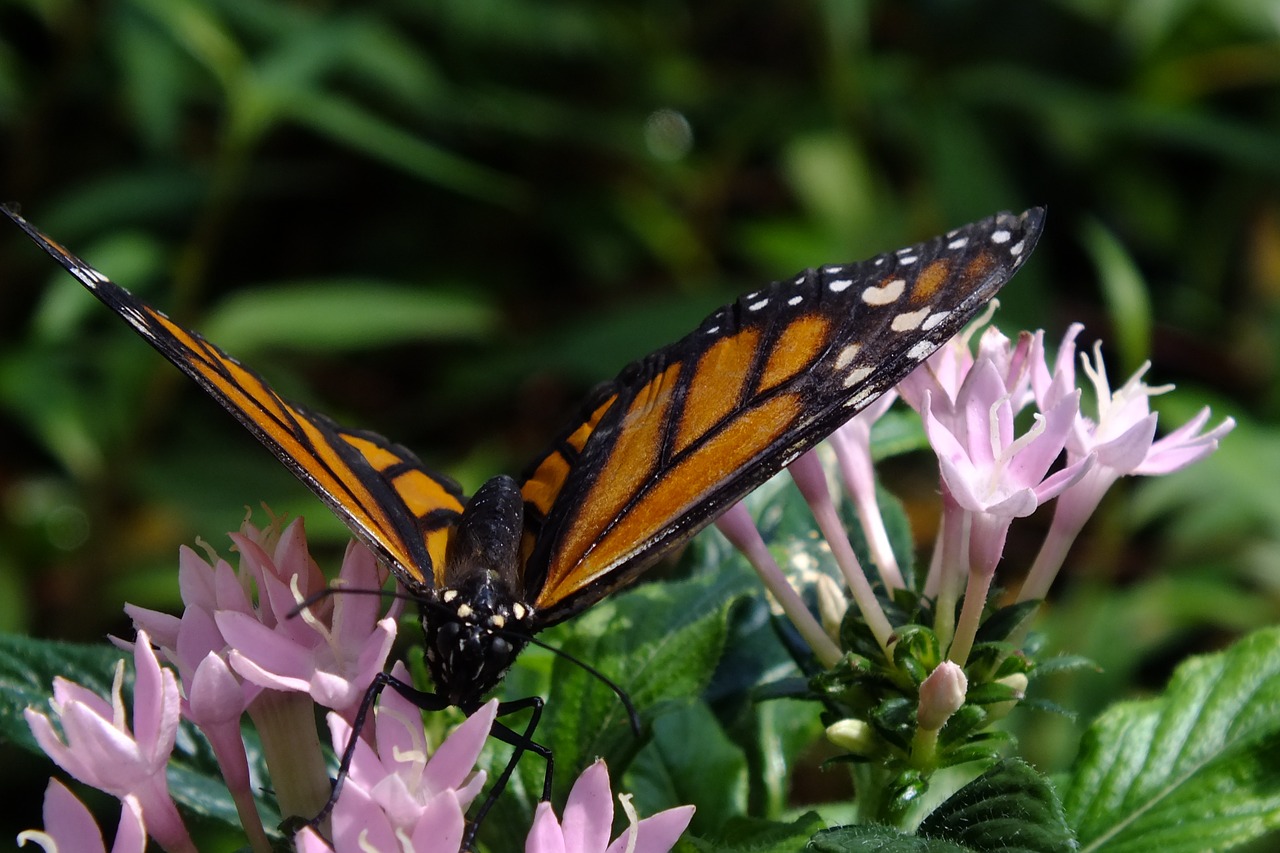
(522, 741)
(425, 701)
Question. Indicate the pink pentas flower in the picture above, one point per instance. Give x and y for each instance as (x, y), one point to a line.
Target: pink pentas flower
(70, 828)
(101, 750)
(332, 650)
(1122, 441)
(588, 819)
(988, 469)
(401, 789)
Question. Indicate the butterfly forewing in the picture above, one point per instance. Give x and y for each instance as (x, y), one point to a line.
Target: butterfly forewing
(402, 510)
(694, 427)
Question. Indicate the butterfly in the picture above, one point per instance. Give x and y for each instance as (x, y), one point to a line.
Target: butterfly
(653, 457)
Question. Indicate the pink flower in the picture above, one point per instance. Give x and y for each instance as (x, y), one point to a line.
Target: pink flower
(70, 828)
(100, 749)
(398, 791)
(588, 817)
(1121, 440)
(333, 649)
(228, 648)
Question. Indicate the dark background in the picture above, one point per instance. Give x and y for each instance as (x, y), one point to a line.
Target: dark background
(445, 221)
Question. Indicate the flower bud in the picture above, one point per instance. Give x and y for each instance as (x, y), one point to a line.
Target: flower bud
(941, 695)
(854, 735)
(1018, 684)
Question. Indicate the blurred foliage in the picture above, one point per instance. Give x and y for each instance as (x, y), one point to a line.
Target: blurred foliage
(446, 220)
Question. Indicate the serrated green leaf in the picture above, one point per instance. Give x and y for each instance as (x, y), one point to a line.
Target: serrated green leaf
(1196, 769)
(757, 836)
(1010, 807)
(877, 839)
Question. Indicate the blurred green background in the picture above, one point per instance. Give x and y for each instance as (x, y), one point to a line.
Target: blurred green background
(445, 221)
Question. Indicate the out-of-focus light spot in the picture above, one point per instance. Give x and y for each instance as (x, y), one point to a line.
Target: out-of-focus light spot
(668, 135)
(67, 527)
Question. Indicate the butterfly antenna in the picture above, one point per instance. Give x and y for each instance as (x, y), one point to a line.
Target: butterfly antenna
(321, 595)
(632, 715)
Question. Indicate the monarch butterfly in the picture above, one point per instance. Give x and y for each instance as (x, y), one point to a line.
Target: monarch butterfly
(654, 456)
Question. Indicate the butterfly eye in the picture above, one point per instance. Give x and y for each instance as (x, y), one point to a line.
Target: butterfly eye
(500, 649)
(447, 637)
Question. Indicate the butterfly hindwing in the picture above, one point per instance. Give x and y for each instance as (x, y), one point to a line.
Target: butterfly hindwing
(692, 428)
(398, 507)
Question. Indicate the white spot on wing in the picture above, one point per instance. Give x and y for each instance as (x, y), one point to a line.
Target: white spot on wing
(958, 243)
(1001, 236)
(840, 284)
(795, 300)
(932, 321)
(886, 293)
(711, 330)
(847, 355)
(908, 320)
(858, 374)
(756, 306)
(1016, 248)
(921, 350)
(858, 399)
(907, 260)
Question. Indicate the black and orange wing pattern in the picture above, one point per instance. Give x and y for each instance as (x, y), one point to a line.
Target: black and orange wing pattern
(395, 505)
(689, 430)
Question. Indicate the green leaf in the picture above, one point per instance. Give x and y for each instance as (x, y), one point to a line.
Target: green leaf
(659, 643)
(667, 771)
(27, 670)
(1009, 808)
(757, 836)
(348, 314)
(877, 839)
(1196, 769)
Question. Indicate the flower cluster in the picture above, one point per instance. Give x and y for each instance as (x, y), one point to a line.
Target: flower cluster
(894, 685)
(235, 655)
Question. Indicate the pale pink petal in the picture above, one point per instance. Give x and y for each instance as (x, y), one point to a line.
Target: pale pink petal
(441, 825)
(656, 834)
(67, 822)
(131, 833)
(156, 704)
(309, 841)
(545, 836)
(217, 695)
(163, 628)
(456, 757)
(588, 814)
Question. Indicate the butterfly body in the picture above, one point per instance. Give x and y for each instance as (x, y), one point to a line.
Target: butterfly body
(653, 457)
(477, 624)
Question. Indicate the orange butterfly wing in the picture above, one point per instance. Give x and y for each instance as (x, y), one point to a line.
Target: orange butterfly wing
(691, 429)
(399, 508)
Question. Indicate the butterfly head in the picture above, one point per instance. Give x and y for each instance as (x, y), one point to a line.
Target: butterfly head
(477, 625)
(473, 638)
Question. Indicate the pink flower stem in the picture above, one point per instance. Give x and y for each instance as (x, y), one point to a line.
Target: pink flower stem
(228, 749)
(740, 530)
(953, 544)
(975, 599)
(286, 723)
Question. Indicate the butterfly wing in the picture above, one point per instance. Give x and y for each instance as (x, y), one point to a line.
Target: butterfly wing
(384, 494)
(686, 432)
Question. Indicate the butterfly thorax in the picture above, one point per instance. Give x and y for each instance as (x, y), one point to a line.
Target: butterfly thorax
(478, 623)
